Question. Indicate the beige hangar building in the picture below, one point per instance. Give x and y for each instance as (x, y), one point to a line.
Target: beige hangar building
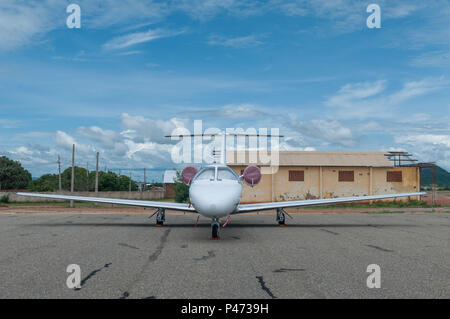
(312, 175)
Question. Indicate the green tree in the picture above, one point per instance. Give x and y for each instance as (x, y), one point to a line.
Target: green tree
(107, 181)
(45, 183)
(13, 175)
(82, 181)
(181, 190)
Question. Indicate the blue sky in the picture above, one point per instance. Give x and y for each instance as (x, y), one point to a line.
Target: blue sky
(138, 69)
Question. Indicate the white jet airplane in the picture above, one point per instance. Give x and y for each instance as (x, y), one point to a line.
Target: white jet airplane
(215, 192)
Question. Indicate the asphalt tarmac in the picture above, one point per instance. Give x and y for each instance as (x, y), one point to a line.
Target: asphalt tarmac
(314, 256)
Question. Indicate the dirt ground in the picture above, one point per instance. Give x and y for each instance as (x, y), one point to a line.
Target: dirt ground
(442, 198)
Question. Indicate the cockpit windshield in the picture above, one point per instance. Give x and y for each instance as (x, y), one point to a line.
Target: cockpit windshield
(206, 174)
(225, 173)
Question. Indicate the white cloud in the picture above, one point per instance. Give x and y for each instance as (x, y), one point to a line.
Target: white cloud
(206, 9)
(21, 22)
(326, 131)
(428, 147)
(131, 39)
(434, 59)
(65, 141)
(416, 88)
(431, 139)
(401, 10)
(235, 111)
(145, 150)
(37, 157)
(134, 52)
(139, 128)
(349, 93)
(8, 124)
(366, 100)
(24, 22)
(106, 138)
(236, 42)
(131, 13)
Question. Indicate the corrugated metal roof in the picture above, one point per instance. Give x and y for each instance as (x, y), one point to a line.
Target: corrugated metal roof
(169, 177)
(315, 158)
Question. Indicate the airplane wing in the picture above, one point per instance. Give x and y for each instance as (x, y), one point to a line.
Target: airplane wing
(129, 202)
(248, 208)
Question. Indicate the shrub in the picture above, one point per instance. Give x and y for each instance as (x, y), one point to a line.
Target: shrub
(4, 199)
(181, 190)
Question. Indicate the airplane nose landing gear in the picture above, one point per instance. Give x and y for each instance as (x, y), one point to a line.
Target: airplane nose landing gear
(281, 219)
(215, 226)
(160, 217)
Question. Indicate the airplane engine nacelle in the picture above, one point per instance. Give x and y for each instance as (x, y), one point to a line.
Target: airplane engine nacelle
(188, 174)
(252, 175)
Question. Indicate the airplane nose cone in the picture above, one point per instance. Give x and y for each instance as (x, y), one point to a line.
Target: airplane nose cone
(215, 199)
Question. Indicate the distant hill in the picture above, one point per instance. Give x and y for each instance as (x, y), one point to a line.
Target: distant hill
(442, 177)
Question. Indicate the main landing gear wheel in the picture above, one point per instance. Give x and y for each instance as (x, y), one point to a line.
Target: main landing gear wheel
(215, 229)
(160, 217)
(281, 218)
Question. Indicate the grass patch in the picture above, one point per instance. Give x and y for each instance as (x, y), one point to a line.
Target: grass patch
(384, 212)
(13, 204)
(66, 204)
(375, 204)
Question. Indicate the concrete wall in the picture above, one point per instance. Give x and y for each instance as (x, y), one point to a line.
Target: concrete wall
(323, 182)
(147, 195)
(169, 190)
(332, 187)
(410, 180)
(285, 190)
(260, 193)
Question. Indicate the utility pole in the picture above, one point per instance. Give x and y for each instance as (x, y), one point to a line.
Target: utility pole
(129, 187)
(96, 177)
(59, 173)
(87, 176)
(145, 181)
(72, 182)
(433, 185)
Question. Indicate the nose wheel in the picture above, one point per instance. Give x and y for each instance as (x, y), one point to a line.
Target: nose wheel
(160, 217)
(215, 226)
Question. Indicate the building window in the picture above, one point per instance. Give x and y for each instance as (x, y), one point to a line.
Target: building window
(394, 176)
(346, 176)
(296, 176)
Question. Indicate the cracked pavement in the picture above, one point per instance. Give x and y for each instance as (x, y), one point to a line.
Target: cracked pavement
(314, 256)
